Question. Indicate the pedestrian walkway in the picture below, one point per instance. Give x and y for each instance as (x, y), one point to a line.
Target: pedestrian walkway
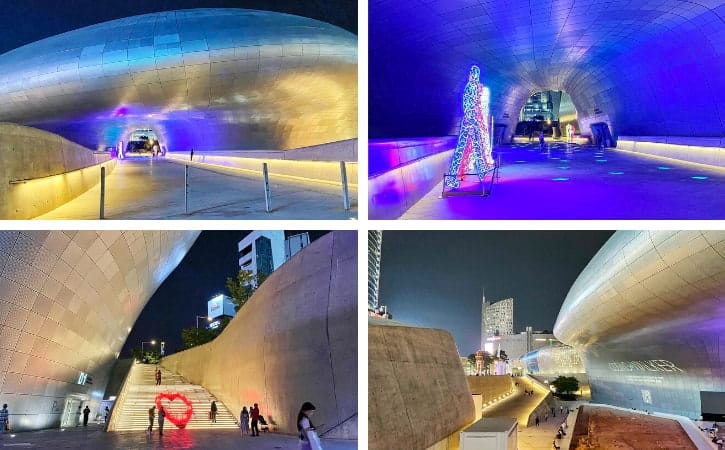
(153, 188)
(173, 439)
(584, 182)
(518, 405)
(131, 410)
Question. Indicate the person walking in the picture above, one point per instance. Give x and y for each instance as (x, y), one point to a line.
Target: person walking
(191, 156)
(306, 430)
(212, 413)
(244, 421)
(86, 413)
(4, 419)
(152, 415)
(542, 146)
(537, 421)
(162, 416)
(158, 376)
(255, 420)
(107, 412)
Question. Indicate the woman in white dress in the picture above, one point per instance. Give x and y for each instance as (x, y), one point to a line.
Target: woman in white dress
(244, 421)
(307, 433)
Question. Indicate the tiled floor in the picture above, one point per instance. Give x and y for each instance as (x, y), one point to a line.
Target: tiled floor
(147, 188)
(95, 438)
(582, 182)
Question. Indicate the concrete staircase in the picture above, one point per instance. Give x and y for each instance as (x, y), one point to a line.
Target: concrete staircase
(140, 390)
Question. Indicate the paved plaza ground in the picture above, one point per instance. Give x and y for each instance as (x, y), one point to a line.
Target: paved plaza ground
(145, 188)
(583, 182)
(94, 438)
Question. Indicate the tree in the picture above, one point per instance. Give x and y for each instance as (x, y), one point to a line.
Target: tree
(564, 385)
(243, 286)
(472, 359)
(193, 336)
(147, 357)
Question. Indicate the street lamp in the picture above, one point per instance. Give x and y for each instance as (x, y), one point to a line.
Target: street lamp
(208, 319)
(152, 342)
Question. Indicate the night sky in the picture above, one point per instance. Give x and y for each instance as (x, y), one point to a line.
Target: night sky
(184, 294)
(26, 21)
(435, 278)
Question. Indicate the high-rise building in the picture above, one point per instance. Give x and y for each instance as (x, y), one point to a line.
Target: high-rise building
(375, 243)
(264, 251)
(497, 319)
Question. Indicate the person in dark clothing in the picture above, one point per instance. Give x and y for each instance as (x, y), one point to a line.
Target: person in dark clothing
(86, 413)
(212, 416)
(158, 376)
(191, 157)
(162, 416)
(152, 415)
(255, 420)
(537, 421)
(106, 412)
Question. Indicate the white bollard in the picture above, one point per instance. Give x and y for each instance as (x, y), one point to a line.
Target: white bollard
(103, 193)
(267, 193)
(345, 193)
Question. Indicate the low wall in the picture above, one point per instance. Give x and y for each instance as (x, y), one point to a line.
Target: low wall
(392, 193)
(710, 151)
(490, 387)
(40, 171)
(294, 341)
(417, 391)
(316, 171)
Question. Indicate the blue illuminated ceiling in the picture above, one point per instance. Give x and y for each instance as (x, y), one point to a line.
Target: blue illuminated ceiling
(202, 78)
(650, 68)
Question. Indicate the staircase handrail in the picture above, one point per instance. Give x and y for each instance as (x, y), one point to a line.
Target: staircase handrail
(335, 426)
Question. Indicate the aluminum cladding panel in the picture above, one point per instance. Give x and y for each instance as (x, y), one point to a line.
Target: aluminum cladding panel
(68, 300)
(204, 78)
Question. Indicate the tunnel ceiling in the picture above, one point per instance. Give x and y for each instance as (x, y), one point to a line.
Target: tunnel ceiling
(651, 68)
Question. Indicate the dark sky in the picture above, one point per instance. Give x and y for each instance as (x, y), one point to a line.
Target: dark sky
(26, 21)
(184, 294)
(435, 278)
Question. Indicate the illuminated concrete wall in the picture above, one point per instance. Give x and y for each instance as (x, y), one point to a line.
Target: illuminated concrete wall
(55, 169)
(646, 317)
(557, 360)
(651, 68)
(68, 300)
(417, 390)
(205, 78)
(294, 341)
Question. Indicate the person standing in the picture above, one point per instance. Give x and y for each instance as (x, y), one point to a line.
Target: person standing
(4, 419)
(255, 420)
(191, 156)
(213, 411)
(541, 140)
(86, 413)
(244, 421)
(162, 416)
(537, 421)
(107, 413)
(306, 430)
(158, 376)
(80, 415)
(152, 415)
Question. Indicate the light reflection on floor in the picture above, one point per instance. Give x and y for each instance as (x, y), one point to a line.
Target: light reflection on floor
(593, 184)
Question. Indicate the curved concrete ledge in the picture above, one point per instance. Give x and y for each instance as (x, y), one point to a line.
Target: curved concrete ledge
(708, 151)
(417, 394)
(392, 193)
(315, 171)
(294, 341)
(40, 171)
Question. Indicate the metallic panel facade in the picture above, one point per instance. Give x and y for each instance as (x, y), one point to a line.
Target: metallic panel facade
(68, 300)
(649, 68)
(208, 79)
(646, 315)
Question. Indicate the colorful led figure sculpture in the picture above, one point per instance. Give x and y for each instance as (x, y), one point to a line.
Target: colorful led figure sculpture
(473, 139)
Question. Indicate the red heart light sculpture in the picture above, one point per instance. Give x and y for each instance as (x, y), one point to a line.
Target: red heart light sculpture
(179, 420)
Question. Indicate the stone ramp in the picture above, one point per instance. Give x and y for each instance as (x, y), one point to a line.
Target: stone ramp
(140, 390)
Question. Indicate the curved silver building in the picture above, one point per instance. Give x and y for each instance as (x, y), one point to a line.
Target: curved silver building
(206, 79)
(646, 315)
(68, 300)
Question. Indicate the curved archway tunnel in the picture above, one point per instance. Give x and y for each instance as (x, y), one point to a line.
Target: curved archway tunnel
(647, 69)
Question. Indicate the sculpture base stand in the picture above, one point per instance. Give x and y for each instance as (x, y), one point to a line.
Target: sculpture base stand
(484, 183)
